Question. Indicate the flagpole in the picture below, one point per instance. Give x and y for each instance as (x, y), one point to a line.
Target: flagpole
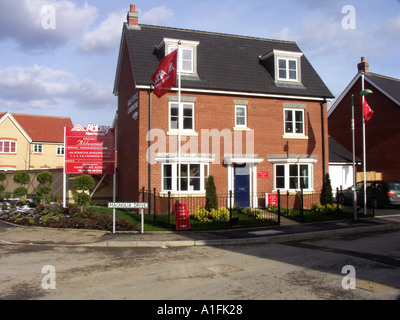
(364, 146)
(180, 123)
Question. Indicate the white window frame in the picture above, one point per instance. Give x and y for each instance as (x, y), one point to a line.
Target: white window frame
(181, 117)
(10, 144)
(204, 173)
(37, 148)
(293, 121)
(172, 44)
(181, 60)
(60, 150)
(287, 56)
(286, 165)
(245, 116)
(287, 69)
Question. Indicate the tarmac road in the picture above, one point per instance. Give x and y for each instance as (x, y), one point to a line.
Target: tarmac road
(301, 269)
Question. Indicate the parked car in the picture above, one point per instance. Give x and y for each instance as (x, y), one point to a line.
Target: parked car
(379, 193)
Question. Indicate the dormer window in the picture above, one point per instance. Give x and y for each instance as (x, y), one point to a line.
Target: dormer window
(187, 55)
(285, 66)
(287, 69)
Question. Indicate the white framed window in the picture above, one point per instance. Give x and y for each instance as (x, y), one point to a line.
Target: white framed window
(240, 116)
(193, 177)
(187, 54)
(60, 150)
(185, 58)
(293, 176)
(8, 146)
(37, 148)
(287, 69)
(183, 118)
(294, 122)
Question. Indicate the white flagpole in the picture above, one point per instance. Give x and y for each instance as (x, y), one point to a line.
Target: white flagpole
(364, 146)
(180, 123)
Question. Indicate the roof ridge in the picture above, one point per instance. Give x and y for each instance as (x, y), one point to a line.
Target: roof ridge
(37, 115)
(216, 33)
(382, 76)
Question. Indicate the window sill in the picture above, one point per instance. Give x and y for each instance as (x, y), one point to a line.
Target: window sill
(295, 136)
(241, 129)
(183, 133)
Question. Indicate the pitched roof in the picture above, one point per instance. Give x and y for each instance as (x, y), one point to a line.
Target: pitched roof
(388, 86)
(339, 154)
(42, 128)
(224, 62)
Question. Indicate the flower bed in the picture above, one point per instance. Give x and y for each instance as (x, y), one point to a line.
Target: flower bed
(54, 215)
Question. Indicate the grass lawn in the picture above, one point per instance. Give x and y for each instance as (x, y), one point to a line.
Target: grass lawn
(160, 222)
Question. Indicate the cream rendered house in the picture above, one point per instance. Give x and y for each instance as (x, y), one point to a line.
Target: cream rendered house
(29, 142)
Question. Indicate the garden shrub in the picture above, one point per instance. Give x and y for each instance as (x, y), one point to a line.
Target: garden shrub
(327, 208)
(203, 215)
(211, 195)
(20, 192)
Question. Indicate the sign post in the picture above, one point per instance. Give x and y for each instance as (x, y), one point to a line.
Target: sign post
(129, 205)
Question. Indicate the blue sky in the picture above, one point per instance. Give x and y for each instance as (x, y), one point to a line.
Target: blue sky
(68, 68)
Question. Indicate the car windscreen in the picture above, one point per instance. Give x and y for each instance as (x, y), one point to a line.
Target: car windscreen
(394, 185)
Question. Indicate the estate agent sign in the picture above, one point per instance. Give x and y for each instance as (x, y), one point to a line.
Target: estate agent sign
(89, 150)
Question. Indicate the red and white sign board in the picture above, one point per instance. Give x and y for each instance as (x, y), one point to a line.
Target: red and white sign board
(89, 150)
(90, 155)
(263, 174)
(182, 219)
(272, 199)
(89, 167)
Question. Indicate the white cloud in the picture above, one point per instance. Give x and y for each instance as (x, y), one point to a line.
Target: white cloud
(157, 15)
(42, 88)
(107, 35)
(23, 22)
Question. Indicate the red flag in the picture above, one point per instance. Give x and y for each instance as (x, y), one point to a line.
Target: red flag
(165, 76)
(368, 112)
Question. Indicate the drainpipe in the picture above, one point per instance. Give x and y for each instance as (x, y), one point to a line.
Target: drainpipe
(323, 138)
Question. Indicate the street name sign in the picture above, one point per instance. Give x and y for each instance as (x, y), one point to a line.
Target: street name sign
(127, 205)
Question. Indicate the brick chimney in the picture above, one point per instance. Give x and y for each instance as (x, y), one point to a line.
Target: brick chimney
(363, 66)
(133, 17)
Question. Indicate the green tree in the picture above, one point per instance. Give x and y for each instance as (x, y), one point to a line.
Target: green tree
(44, 177)
(326, 192)
(2, 178)
(43, 192)
(211, 195)
(22, 178)
(84, 182)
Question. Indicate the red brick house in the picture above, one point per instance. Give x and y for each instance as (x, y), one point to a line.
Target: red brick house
(382, 130)
(253, 115)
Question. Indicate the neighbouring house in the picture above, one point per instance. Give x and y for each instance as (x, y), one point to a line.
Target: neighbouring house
(340, 166)
(382, 131)
(29, 142)
(252, 115)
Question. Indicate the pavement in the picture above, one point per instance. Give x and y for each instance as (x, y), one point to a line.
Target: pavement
(287, 231)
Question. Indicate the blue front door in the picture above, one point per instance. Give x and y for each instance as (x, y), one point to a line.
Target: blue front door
(242, 185)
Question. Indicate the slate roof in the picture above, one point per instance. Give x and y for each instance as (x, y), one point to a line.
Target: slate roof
(42, 128)
(225, 62)
(339, 154)
(390, 85)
